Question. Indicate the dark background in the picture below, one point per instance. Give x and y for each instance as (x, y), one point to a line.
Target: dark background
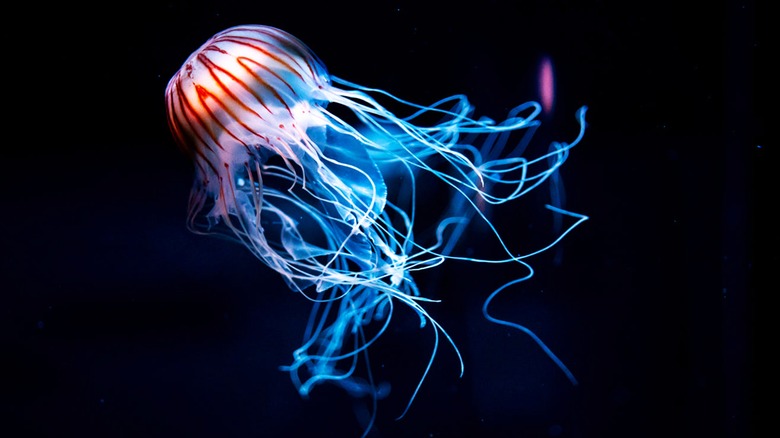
(117, 321)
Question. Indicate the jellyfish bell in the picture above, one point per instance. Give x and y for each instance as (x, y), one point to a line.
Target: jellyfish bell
(246, 86)
(294, 163)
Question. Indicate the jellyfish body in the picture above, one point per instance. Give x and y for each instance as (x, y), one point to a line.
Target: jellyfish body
(294, 163)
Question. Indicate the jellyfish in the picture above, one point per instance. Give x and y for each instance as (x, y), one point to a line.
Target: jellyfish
(320, 178)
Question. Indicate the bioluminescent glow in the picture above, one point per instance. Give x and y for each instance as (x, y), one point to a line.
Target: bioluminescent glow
(546, 85)
(320, 181)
